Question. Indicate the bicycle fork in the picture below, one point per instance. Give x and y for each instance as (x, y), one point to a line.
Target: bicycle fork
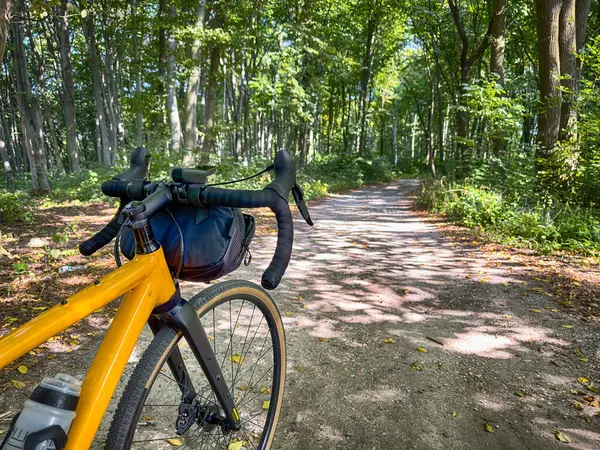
(183, 317)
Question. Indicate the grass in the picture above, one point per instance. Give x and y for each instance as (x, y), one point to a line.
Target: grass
(539, 224)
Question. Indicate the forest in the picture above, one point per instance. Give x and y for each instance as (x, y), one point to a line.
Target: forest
(495, 103)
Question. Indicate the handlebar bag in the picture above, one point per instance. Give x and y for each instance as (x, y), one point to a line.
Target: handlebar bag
(215, 240)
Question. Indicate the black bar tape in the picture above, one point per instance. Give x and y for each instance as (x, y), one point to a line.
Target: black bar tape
(104, 236)
(256, 199)
(115, 188)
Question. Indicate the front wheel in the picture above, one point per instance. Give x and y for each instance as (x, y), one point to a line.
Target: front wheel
(244, 326)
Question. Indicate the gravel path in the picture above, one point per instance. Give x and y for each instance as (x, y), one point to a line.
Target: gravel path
(372, 271)
(368, 285)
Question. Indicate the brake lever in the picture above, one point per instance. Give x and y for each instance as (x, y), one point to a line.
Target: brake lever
(299, 199)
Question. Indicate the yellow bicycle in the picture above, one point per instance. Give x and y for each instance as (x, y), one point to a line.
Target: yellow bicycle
(213, 375)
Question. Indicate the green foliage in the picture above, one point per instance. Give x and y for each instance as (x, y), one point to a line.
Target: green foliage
(540, 226)
(14, 207)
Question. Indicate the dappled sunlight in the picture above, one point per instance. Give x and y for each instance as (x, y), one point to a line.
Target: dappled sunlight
(482, 344)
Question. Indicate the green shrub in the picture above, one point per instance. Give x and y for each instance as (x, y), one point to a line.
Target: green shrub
(14, 208)
(546, 227)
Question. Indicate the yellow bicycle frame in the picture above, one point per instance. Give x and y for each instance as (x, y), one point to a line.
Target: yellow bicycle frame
(147, 283)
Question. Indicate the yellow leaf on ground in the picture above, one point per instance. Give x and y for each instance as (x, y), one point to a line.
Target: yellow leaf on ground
(507, 317)
(489, 428)
(23, 369)
(415, 366)
(39, 308)
(388, 341)
(175, 442)
(265, 390)
(242, 388)
(51, 356)
(584, 380)
(536, 310)
(266, 404)
(237, 358)
(421, 349)
(289, 314)
(562, 437)
(585, 360)
(300, 368)
(146, 418)
(18, 384)
(236, 445)
(567, 326)
(322, 339)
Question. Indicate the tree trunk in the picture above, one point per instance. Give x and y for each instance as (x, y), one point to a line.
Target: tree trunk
(498, 44)
(548, 12)
(211, 96)
(69, 109)
(172, 108)
(101, 122)
(366, 78)
(29, 109)
(498, 39)
(466, 62)
(5, 18)
(568, 65)
(191, 120)
(139, 117)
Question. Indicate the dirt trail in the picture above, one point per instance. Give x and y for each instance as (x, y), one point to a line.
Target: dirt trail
(372, 270)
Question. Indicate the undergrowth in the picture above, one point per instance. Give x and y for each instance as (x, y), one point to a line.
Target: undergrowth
(514, 213)
(318, 179)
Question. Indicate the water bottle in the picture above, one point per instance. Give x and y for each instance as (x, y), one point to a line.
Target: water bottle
(51, 405)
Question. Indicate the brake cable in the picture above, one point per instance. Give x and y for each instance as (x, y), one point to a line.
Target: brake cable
(267, 169)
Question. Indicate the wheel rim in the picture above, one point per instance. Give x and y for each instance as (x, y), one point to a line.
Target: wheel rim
(247, 344)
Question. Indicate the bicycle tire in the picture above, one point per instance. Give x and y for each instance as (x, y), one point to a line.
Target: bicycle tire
(127, 415)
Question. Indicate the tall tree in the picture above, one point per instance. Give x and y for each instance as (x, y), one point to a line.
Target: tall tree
(172, 108)
(467, 59)
(191, 103)
(69, 108)
(101, 119)
(29, 107)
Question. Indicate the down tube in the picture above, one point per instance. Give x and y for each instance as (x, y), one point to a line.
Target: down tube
(111, 359)
(76, 307)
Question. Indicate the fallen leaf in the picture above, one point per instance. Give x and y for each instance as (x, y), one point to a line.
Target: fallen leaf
(236, 445)
(23, 369)
(567, 326)
(536, 310)
(237, 358)
(584, 380)
(572, 391)
(421, 349)
(266, 404)
(519, 394)
(389, 341)
(322, 339)
(489, 428)
(578, 406)
(175, 442)
(562, 437)
(593, 389)
(585, 360)
(415, 366)
(146, 418)
(289, 314)
(300, 368)
(39, 308)
(51, 356)
(18, 384)
(265, 390)
(242, 388)
(507, 317)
